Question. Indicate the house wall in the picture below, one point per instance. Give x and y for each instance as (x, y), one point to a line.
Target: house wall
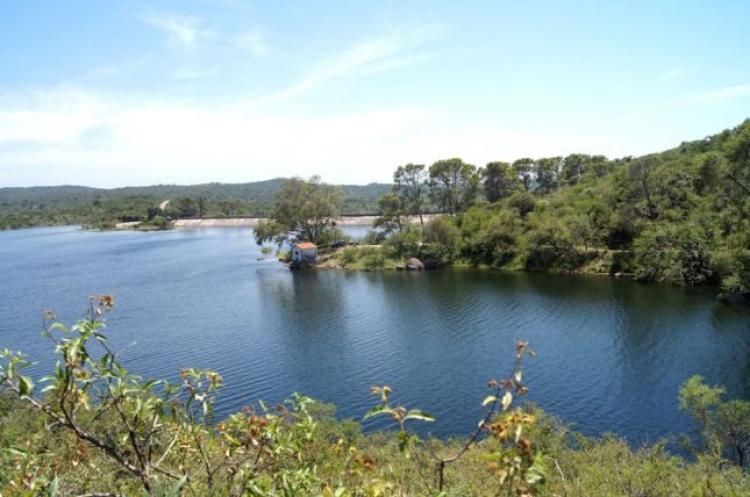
(309, 255)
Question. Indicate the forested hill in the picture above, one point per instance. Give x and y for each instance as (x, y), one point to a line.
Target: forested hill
(682, 215)
(57, 205)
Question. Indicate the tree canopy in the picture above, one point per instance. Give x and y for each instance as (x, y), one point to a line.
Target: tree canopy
(304, 210)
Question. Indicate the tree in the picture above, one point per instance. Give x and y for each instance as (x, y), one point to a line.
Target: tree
(724, 426)
(183, 207)
(672, 252)
(498, 180)
(440, 240)
(454, 184)
(550, 245)
(409, 183)
(641, 174)
(575, 166)
(304, 211)
(546, 174)
(522, 168)
(523, 202)
(390, 207)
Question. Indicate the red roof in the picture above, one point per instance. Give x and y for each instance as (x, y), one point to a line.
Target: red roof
(306, 246)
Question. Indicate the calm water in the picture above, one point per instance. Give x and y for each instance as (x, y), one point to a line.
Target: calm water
(611, 354)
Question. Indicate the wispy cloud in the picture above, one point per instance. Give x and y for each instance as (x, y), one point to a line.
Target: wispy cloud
(720, 95)
(182, 32)
(115, 69)
(673, 74)
(366, 57)
(251, 41)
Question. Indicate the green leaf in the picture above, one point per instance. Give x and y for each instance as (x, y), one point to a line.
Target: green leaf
(417, 414)
(507, 400)
(375, 411)
(53, 487)
(25, 385)
(17, 452)
(177, 487)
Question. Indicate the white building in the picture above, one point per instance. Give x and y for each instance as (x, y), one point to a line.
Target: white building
(304, 252)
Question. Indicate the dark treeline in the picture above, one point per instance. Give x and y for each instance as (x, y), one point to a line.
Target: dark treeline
(681, 216)
(102, 208)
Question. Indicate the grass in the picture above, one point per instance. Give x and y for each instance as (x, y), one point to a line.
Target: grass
(362, 258)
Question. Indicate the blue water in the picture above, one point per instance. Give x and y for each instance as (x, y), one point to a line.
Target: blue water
(611, 353)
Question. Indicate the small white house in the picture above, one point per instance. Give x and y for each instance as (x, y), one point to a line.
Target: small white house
(304, 253)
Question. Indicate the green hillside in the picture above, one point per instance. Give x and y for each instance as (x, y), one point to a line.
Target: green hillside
(680, 216)
(60, 205)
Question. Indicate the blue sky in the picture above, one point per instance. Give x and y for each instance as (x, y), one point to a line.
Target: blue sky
(142, 92)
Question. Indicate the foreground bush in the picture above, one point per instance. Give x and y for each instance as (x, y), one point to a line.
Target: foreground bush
(93, 428)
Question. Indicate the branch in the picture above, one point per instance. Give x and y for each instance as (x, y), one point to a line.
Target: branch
(64, 420)
(739, 183)
(166, 452)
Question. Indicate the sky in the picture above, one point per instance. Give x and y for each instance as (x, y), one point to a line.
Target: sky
(143, 92)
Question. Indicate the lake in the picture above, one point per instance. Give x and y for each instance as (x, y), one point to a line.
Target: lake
(611, 353)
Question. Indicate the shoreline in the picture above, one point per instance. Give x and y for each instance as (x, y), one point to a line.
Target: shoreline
(252, 222)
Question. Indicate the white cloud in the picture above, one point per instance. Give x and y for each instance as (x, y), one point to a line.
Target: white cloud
(77, 135)
(108, 140)
(182, 32)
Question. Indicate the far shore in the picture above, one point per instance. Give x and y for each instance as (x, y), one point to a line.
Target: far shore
(252, 222)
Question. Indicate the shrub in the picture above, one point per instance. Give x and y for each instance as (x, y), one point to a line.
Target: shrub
(675, 253)
(349, 254)
(374, 261)
(723, 426)
(373, 237)
(550, 246)
(404, 243)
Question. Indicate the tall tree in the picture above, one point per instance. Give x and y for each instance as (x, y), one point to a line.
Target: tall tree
(498, 180)
(303, 210)
(409, 183)
(641, 176)
(390, 207)
(454, 184)
(573, 167)
(522, 168)
(546, 174)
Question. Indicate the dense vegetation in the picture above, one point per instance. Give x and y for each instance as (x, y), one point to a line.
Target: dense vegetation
(680, 216)
(60, 205)
(93, 428)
